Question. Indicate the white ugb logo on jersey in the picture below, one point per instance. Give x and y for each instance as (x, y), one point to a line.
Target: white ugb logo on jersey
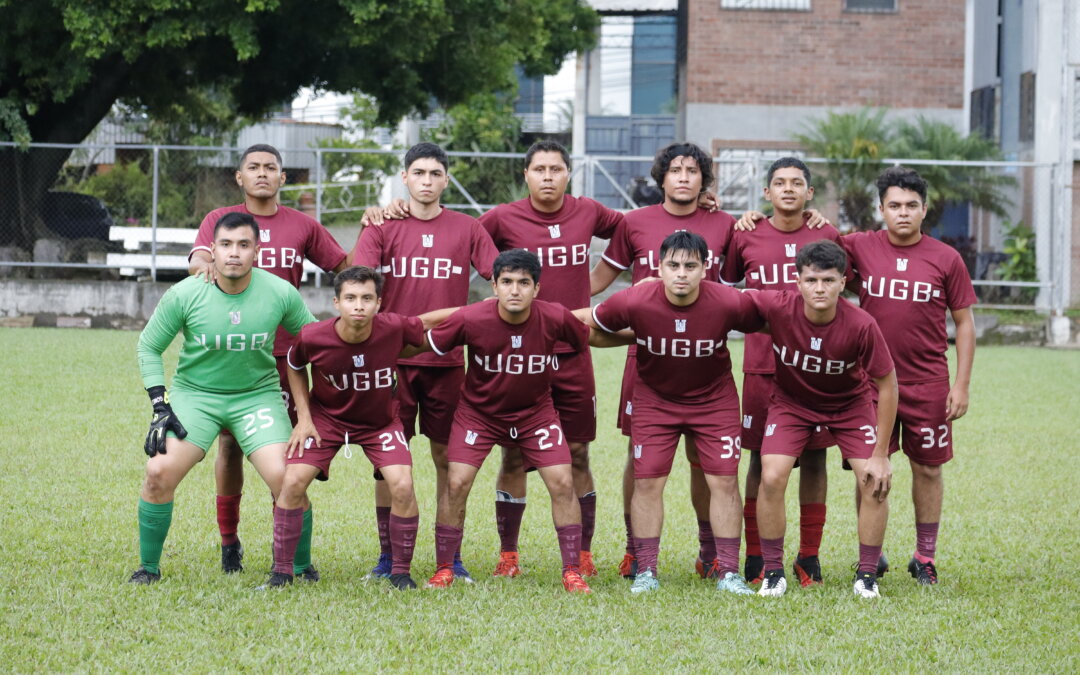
(470, 437)
(264, 236)
(358, 360)
(901, 264)
(555, 232)
(815, 343)
(429, 240)
(747, 421)
(680, 325)
(515, 341)
(789, 249)
(234, 317)
(770, 429)
(637, 452)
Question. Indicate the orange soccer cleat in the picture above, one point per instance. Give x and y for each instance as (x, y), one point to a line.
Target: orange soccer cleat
(573, 583)
(508, 565)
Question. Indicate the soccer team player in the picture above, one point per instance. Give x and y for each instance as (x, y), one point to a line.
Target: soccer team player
(225, 379)
(287, 237)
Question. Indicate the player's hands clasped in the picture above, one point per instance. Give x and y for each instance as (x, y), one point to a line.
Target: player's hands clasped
(879, 476)
(163, 421)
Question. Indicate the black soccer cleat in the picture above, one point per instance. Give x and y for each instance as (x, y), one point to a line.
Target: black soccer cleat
(402, 581)
(310, 574)
(754, 569)
(231, 555)
(276, 580)
(807, 570)
(882, 565)
(924, 573)
(143, 577)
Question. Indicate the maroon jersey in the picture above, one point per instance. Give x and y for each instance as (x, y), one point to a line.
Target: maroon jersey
(637, 241)
(766, 259)
(682, 351)
(426, 265)
(823, 367)
(510, 366)
(285, 240)
(907, 289)
(355, 381)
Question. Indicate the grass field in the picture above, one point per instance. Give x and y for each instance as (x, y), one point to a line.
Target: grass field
(74, 415)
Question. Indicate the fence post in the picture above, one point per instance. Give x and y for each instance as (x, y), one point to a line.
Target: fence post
(154, 213)
(318, 199)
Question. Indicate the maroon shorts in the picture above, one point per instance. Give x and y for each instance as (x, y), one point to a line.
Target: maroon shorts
(573, 390)
(540, 438)
(434, 391)
(920, 414)
(626, 395)
(658, 424)
(384, 447)
(790, 425)
(756, 394)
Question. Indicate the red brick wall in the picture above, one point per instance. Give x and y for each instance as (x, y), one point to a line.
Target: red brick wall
(827, 57)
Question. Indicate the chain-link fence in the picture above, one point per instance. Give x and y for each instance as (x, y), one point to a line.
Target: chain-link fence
(130, 211)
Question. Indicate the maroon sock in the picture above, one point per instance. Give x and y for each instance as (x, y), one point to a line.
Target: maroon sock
(447, 542)
(288, 524)
(727, 554)
(749, 514)
(811, 524)
(569, 545)
(402, 534)
(508, 517)
(382, 520)
(926, 539)
(772, 550)
(629, 534)
(588, 519)
(647, 552)
(706, 545)
(228, 517)
(868, 558)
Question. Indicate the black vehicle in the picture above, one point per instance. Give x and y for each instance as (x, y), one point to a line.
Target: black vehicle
(75, 216)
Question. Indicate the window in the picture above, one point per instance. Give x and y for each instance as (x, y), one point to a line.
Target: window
(1027, 107)
(984, 105)
(870, 5)
(782, 5)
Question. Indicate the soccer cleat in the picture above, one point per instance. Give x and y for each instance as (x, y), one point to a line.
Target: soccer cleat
(460, 573)
(143, 577)
(645, 582)
(231, 555)
(573, 583)
(310, 574)
(382, 568)
(587, 566)
(276, 580)
(774, 584)
(402, 581)
(882, 565)
(808, 570)
(753, 569)
(866, 585)
(924, 573)
(443, 578)
(733, 583)
(628, 566)
(508, 565)
(710, 571)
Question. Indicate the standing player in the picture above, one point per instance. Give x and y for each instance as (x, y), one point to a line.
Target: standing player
(908, 281)
(766, 260)
(506, 399)
(287, 238)
(684, 388)
(826, 350)
(225, 378)
(425, 259)
(559, 229)
(352, 361)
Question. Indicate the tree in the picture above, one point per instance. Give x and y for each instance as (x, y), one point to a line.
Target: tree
(64, 64)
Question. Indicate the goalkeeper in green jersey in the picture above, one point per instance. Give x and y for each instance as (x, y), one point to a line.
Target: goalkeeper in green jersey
(226, 377)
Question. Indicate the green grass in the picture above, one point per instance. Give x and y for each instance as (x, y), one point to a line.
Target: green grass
(74, 415)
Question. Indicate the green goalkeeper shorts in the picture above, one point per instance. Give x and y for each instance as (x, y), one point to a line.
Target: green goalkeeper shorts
(255, 418)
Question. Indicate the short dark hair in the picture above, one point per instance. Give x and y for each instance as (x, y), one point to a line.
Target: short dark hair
(662, 162)
(785, 163)
(235, 219)
(358, 274)
(823, 255)
(547, 145)
(684, 240)
(260, 147)
(517, 260)
(901, 177)
(426, 150)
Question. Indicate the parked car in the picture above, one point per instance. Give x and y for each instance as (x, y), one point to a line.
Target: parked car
(75, 216)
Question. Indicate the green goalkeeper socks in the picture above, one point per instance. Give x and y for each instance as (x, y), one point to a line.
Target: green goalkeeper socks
(154, 521)
(302, 560)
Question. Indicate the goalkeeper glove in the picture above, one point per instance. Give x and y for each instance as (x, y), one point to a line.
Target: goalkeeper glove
(164, 420)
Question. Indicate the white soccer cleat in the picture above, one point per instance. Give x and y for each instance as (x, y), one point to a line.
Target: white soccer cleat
(774, 584)
(866, 585)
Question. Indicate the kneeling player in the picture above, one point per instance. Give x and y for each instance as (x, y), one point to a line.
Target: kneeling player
(826, 350)
(352, 361)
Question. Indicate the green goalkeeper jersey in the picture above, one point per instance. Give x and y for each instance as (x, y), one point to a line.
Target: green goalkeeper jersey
(228, 339)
